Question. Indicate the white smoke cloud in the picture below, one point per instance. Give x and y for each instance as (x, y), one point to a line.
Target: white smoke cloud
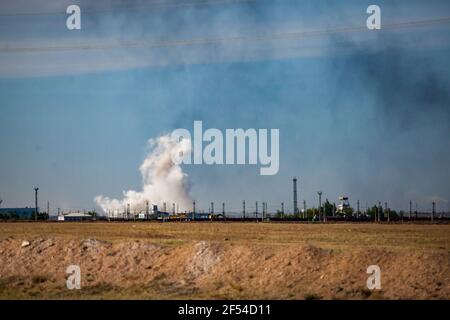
(162, 179)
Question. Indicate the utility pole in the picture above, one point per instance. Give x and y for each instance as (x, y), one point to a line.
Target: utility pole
(263, 211)
(36, 203)
(128, 211)
(387, 212)
(48, 208)
(357, 211)
(380, 211)
(212, 207)
(256, 212)
(223, 208)
(417, 212)
(304, 210)
(193, 210)
(320, 204)
(146, 210)
(433, 211)
(282, 210)
(243, 209)
(410, 209)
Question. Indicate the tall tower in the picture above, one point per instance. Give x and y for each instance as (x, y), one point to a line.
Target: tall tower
(295, 196)
(36, 202)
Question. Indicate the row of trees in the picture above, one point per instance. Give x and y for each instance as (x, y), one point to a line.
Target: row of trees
(330, 209)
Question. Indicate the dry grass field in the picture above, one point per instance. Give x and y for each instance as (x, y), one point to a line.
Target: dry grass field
(224, 260)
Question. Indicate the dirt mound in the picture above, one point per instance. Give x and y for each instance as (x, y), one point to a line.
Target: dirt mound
(220, 270)
(203, 258)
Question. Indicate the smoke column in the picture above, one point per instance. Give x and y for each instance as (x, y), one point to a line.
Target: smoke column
(162, 179)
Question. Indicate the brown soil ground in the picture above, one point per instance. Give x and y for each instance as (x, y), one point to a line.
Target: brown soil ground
(224, 260)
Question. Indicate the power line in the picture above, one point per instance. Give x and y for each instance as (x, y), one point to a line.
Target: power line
(153, 6)
(210, 41)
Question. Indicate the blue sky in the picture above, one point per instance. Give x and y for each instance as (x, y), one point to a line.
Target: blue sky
(366, 114)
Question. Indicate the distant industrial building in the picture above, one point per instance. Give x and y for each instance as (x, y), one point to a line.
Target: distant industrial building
(198, 216)
(76, 216)
(344, 205)
(17, 213)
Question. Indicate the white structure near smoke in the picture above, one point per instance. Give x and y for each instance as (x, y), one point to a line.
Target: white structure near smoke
(162, 179)
(235, 151)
